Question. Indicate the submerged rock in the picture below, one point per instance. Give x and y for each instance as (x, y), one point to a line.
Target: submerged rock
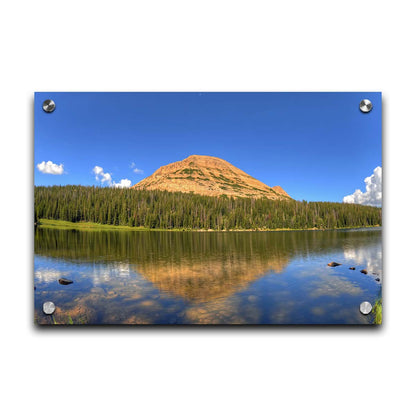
(64, 281)
(364, 271)
(352, 268)
(334, 264)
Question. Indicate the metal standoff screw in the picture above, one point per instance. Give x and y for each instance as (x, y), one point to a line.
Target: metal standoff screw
(366, 106)
(48, 308)
(48, 106)
(365, 308)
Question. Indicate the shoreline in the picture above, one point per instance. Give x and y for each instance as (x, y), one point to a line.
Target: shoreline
(91, 226)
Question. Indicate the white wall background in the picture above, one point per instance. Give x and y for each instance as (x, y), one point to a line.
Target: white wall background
(209, 46)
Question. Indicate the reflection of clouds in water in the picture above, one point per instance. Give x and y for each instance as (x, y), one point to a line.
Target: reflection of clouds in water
(293, 300)
(333, 286)
(110, 293)
(283, 311)
(48, 275)
(369, 256)
(103, 273)
(133, 300)
(318, 311)
(224, 311)
(245, 308)
(239, 286)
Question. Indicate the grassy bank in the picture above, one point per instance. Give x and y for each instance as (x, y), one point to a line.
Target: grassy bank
(86, 226)
(378, 312)
(91, 226)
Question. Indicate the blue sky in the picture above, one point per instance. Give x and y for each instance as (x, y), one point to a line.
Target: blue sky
(317, 146)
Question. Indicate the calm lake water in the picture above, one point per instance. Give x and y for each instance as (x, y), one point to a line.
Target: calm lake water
(123, 277)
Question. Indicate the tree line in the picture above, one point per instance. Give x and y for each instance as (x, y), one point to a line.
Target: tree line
(176, 210)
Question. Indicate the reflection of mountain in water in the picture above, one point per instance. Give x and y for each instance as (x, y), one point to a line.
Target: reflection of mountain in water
(197, 266)
(209, 279)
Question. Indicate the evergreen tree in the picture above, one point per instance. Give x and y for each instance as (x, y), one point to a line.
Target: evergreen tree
(166, 210)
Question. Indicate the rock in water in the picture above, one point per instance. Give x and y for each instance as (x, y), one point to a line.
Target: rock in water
(377, 279)
(334, 264)
(352, 268)
(364, 271)
(64, 281)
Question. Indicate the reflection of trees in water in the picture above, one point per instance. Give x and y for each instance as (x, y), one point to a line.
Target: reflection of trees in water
(197, 266)
(204, 268)
(142, 246)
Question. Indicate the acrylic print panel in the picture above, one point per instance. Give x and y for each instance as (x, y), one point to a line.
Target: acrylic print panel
(207, 208)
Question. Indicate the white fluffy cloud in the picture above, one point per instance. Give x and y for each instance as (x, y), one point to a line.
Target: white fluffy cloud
(124, 183)
(102, 176)
(105, 178)
(373, 191)
(136, 169)
(51, 168)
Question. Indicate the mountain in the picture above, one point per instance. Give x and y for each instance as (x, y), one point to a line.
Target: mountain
(280, 191)
(208, 175)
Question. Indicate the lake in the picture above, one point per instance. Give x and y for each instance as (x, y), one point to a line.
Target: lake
(169, 277)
